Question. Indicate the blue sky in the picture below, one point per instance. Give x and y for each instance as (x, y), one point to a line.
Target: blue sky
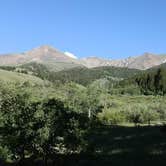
(105, 28)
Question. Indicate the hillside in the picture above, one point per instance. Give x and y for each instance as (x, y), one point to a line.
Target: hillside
(15, 82)
(81, 75)
(150, 82)
(163, 66)
(85, 76)
(8, 76)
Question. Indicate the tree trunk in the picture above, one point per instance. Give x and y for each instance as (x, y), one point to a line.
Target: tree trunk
(45, 158)
(149, 122)
(89, 113)
(22, 155)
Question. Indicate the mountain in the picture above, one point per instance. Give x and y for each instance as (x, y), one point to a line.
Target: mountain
(91, 62)
(52, 58)
(154, 68)
(56, 60)
(145, 61)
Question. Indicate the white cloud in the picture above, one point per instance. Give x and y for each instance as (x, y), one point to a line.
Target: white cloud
(70, 55)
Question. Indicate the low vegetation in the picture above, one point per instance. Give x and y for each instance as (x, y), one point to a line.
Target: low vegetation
(100, 116)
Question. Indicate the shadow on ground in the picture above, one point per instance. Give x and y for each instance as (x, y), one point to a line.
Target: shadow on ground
(117, 146)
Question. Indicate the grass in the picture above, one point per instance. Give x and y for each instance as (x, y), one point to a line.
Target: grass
(123, 102)
(13, 77)
(36, 87)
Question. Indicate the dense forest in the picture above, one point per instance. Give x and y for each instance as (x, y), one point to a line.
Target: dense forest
(150, 82)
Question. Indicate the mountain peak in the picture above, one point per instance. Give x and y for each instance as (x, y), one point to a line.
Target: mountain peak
(148, 54)
(44, 54)
(44, 49)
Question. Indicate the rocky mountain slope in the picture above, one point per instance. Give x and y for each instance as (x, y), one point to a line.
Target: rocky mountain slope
(142, 62)
(47, 55)
(56, 60)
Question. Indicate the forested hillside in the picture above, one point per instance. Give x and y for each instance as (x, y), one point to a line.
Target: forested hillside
(150, 82)
(81, 75)
(86, 76)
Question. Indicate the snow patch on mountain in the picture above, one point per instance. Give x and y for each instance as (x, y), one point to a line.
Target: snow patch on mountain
(70, 55)
(164, 61)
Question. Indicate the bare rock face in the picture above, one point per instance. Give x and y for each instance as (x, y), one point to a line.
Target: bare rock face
(91, 62)
(47, 55)
(41, 54)
(142, 62)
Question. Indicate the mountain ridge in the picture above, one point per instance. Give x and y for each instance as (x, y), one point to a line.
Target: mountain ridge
(57, 60)
(51, 57)
(143, 62)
